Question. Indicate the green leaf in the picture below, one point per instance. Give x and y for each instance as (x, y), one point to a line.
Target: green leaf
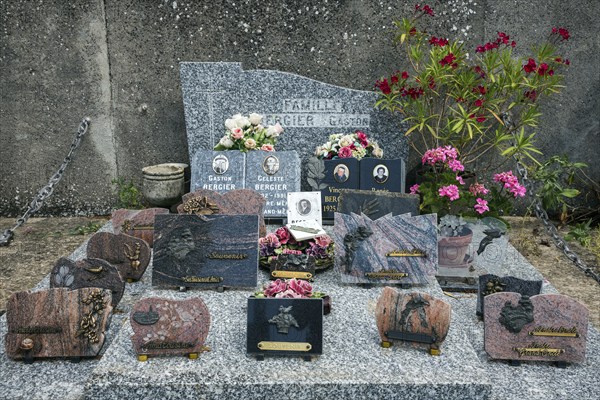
(570, 193)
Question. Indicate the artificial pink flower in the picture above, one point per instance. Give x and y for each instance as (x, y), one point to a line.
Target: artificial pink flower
(450, 191)
(283, 235)
(267, 147)
(303, 288)
(345, 152)
(274, 287)
(481, 206)
(290, 251)
(288, 294)
(362, 138)
(270, 240)
(414, 189)
(237, 133)
(323, 241)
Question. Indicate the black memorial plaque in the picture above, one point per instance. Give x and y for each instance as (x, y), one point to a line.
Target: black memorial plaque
(377, 204)
(382, 175)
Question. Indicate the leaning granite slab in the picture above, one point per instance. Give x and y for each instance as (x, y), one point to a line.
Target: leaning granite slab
(353, 364)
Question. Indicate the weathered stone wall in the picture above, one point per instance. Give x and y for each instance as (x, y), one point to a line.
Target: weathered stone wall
(116, 61)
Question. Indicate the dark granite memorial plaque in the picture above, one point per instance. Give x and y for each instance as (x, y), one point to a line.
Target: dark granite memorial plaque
(490, 284)
(273, 174)
(546, 327)
(220, 171)
(391, 250)
(205, 251)
(308, 110)
(285, 327)
(129, 254)
(237, 202)
(338, 174)
(377, 204)
(89, 272)
(415, 318)
(169, 327)
(299, 266)
(138, 223)
(382, 175)
(57, 323)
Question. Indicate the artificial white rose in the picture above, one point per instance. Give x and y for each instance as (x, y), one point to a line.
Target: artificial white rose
(226, 141)
(242, 121)
(255, 118)
(335, 137)
(230, 123)
(278, 128)
(378, 152)
(270, 131)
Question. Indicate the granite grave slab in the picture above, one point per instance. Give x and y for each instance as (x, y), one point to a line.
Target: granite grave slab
(57, 323)
(299, 266)
(220, 171)
(138, 223)
(236, 202)
(206, 251)
(129, 254)
(490, 284)
(308, 110)
(273, 174)
(418, 319)
(285, 327)
(392, 250)
(163, 326)
(338, 175)
(88, 272)
(545, 327)
(377, 204)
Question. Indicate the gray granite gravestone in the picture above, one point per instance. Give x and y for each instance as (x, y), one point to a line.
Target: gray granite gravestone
(308, 110)
(273, 174)
(221, 171)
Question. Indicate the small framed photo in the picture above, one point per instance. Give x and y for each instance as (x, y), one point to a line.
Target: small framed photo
(341, 173)
(304, 206)
(220, 164)
(381, 173)
(271, 165)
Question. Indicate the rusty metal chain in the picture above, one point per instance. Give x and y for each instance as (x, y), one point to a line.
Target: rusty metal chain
(46, 191)
(542, 215)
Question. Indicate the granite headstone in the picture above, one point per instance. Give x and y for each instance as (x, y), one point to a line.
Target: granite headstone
(490, 284)
(129, 254)
(205, 251)
(57, 323)
(273, 174)
(220, 171)
(546, 327)
(138, 223)
(377, 204)
(308, 110)
(337, 175)
(88, 272)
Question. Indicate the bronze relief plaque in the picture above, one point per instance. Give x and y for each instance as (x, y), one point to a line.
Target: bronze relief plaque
(130, 255)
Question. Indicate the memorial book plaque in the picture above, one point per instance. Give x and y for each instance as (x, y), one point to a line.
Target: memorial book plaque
(169, 327)
(284, 327)
(236, 202)
(490, 284)
(206, 251)
(391, 250)
(273, 175)
(57, 323)
(545, 327)
(415, 318)
(220, 171)
(382, 175)
(88, 272)
(377, 204)
(138, 223)
(130, 255)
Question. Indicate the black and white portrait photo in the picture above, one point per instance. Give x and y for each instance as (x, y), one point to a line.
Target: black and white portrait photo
(341, 173)
(380, 173)
(271, 165)
(220, 164)
(303, 206)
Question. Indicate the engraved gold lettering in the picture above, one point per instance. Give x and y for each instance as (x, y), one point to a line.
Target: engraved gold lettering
(554, 332)
(202, 279)
(291, 274)
(158, 345)
(37, 329)
(227, 256)
(286, 346)
(387, 274)
(403, 253)
(538, 350)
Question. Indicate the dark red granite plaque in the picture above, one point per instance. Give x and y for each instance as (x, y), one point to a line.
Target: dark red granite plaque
(129, 254)
(138, 223)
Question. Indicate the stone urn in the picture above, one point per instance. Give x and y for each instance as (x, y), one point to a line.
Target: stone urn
(452, 250)
(163, 184)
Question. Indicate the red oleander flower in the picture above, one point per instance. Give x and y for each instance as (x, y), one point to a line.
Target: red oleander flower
(567, 62)
(531, 95)
(478, 118)
(428, 10)
(480, 89)
(479, 70)
(478, 103)
(438, 41)
(383, 86)
(413, 31)
(513, 44)
(564, 33)
(448, 60)
(544, 70)
(394, 79)
(530, 66)
(431, 83)
(404, 75)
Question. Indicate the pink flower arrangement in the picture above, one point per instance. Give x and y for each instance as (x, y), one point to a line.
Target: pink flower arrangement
(355, 145)
(289, 289)
(282, 242)
(247, 133)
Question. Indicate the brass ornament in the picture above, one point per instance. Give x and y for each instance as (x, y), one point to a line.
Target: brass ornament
(200, 206)
(285, 346)
(493, 286)
(26, 344)
(133, 255)
(89, 323)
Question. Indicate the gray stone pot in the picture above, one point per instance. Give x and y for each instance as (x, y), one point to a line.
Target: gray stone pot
(163, 184)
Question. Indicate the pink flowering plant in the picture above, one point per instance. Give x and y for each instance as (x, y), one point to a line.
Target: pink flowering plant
(482, 101)
(289, 289)
(248, 133)
(447, 189)
(354, 145)
(282, 242)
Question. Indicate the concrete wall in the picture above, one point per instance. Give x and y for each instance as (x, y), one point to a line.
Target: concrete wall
(117, 62)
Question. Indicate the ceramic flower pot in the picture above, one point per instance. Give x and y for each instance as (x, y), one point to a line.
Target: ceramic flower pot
(163, 184)
(452, 250)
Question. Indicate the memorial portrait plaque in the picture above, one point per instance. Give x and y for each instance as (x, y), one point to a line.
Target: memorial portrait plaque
(338, 174)
(284, 327)
(88, 272)
(390, 250)
(273, 174)
(382, 175)
(57, 323)
(220, 171)
(138, 223)
(304, 206)
(129, 254)
(206, 251)
(375, 204)
(545, 327)
(418, 319)
(490, 284)
(169, 327)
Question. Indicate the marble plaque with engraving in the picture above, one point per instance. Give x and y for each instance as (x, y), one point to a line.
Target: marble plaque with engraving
(284, 327)
(129, 254)
(308, 110)
(273, 174)
(545, 327)
(377, 204)
(382, 175)
(88, 272)
(167, 327)
(205, 251)
(391, 250)
(57, 323)
(490, 284)
(221, 171)
(418, 319)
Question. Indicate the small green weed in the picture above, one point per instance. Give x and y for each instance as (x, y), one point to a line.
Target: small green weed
(90, 227)
(582, 232)
(129, 195)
